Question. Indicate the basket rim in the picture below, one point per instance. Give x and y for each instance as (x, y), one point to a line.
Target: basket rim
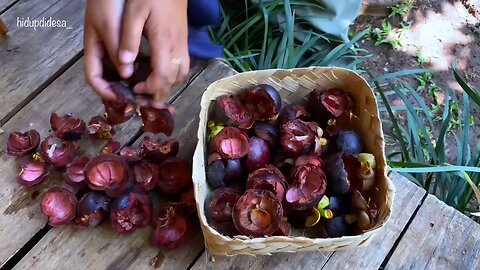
(209, 231)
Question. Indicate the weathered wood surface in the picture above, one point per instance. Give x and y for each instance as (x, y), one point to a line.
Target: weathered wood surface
(439, 237)
(19, 206)
(102, 248)
(29, 57)
(5, 4)
(406, 201)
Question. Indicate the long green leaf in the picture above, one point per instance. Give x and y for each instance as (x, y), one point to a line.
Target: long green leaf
(474, 95)
(392, 118)
(419, 122)
(436, 169)
(331, 57)
(398, 74)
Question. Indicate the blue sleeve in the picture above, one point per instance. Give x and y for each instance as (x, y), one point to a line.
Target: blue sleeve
(203, 13)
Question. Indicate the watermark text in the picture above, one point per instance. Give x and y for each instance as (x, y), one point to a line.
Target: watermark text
(44, 22)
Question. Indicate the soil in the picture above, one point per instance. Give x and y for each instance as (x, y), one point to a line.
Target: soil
(439, 31)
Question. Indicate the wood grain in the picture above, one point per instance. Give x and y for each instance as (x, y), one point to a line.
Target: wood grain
(407, 199)
(439, 237)
(29, 57)
(21, 218)
(102, 248)
(5, 4)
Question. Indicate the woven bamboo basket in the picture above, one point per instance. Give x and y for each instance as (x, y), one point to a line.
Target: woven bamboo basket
(294, 86)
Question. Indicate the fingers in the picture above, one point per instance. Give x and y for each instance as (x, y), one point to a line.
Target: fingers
(109, 27)
(134, 19)
(93, 65)
(184, 66)
(164, 71)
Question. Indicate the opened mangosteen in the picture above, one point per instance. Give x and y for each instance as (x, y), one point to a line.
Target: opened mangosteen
(74, 174)
(296, 136)
(230, 143)
(235, 111)
(328, 104)
(309, 185)
(308, 159)
(263, 101)
(219, 205)
(257, 213)
(34, 170)
(20, 144)
(67, 127)
(131, 211)
(57, 152)
(268, 178)
(157, 120)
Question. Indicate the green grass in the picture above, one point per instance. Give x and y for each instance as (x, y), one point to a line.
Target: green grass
(422, 158)
(402, 9)
(253, 42)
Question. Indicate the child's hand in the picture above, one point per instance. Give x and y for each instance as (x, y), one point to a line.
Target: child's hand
(118, 26)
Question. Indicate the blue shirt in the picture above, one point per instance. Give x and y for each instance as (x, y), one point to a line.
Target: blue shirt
(203, 13)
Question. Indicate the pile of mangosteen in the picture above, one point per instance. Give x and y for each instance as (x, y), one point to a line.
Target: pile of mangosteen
(278, 169)
(118, 183)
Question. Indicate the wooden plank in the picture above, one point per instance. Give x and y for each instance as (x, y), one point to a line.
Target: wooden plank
(439, 237)
(5, 4)
(407, 199)
(19, 206)
(102, 248)
(29, 57)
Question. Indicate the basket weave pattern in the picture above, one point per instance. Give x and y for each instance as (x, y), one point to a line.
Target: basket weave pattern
(294, 86)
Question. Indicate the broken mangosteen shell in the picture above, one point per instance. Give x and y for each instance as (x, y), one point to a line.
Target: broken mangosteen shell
(296, 137)
(22, 143)
(67, 127)
(245, 206)
(268, 178)
(157, 120)
(118, 161)
(262, 101)
(235, 111)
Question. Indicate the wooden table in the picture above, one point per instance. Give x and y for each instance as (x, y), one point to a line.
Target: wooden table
(41, 71)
